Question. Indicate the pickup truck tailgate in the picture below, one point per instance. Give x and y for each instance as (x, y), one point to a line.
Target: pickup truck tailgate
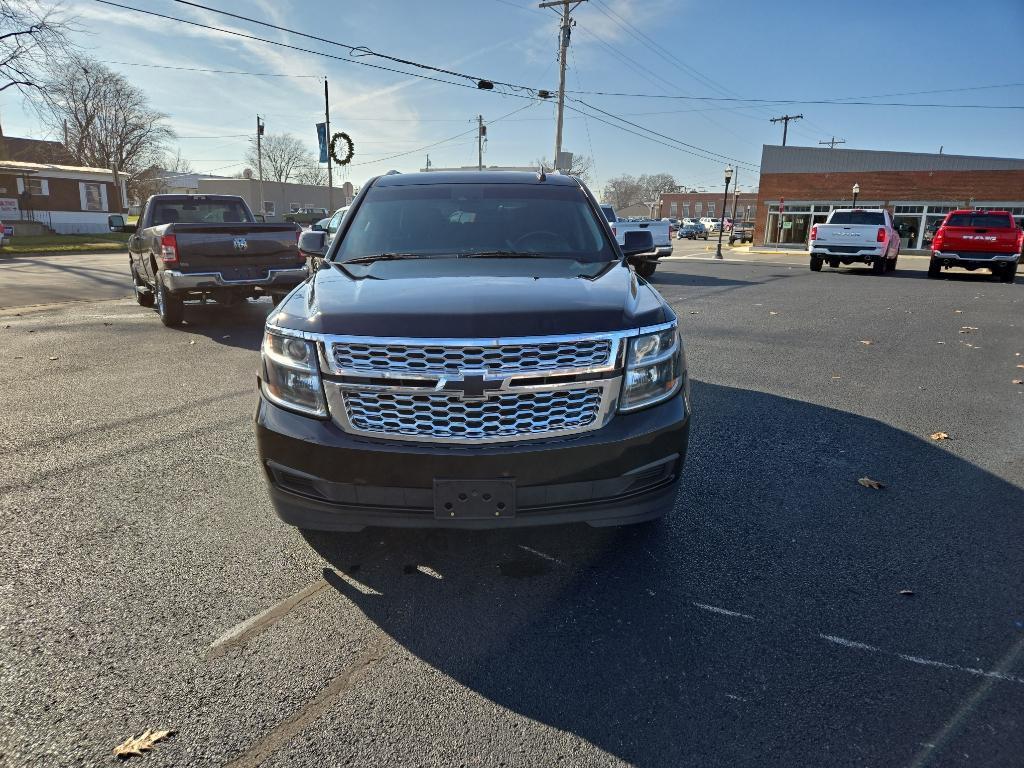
(238, 251)
(865, 235)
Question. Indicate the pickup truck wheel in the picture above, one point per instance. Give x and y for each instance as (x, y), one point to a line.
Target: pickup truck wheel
(646, 269)
(170, 307)
(878, 266)
(892, 264)
(934, 268)
(816, 262)
(1008, 275)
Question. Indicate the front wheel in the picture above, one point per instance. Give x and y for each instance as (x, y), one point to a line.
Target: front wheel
(170, 307)
(646, 269)
(816, 263)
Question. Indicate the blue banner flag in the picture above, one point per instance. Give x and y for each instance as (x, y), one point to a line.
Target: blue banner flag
(321, 135)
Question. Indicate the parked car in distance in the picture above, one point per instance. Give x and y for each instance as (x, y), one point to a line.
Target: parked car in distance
(321, 226)
(855, 236)
(334, 223)
(742, 231)
(647, 263)
(307, 216)
(691, 231)
(710, 224)
(207, 246)
(473, 351)
(974, 239)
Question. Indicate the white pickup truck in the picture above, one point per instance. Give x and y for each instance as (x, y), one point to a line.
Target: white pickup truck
(648, 262)
(855, 235)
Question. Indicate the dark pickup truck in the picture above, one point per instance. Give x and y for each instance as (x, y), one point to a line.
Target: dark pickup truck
(208, 246)
(473, 350)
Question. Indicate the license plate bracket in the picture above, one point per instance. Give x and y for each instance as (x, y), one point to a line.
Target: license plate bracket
(474, 499)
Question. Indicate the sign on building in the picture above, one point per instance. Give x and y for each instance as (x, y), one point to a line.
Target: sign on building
(8, 205)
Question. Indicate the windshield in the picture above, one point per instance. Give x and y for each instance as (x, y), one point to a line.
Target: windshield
(987, 220)
(869, 218)
(462, 219)
(200, 212)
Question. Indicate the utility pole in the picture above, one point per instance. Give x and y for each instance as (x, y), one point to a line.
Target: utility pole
(428, 161)
(735, 197)
(832, 142)
(327, 128)
(785, 124)
(563, 48)
(259, 160)
(481, 132)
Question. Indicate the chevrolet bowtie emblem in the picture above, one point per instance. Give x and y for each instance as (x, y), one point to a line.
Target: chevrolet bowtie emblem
(472, 386)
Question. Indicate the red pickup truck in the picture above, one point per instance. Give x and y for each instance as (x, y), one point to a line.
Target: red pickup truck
(978, 239)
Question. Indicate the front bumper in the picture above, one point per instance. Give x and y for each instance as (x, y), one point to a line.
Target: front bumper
(198, 281)
(322, 478)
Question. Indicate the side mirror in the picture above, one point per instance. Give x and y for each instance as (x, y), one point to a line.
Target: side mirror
(115, 223)
(313, 243)
(637, 243)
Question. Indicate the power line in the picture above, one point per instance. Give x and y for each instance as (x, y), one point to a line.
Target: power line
(216, 71)
(780, 102)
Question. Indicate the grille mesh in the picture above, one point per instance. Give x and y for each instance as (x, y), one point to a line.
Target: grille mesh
(442, 415)
(508, 358)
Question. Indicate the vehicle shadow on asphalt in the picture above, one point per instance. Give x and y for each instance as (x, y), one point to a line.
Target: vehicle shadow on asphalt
(240, 325)
(697, 280)
(917, 274)
(607, 633)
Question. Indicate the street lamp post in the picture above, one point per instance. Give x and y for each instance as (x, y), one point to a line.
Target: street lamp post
(725, 203)
(856, 191)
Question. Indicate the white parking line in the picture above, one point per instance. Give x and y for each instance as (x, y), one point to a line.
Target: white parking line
(540, 554)
(723, 611)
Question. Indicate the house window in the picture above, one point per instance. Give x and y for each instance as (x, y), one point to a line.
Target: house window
(699, 207)
(92, 197)
(711, 210)
(294, 207)
(674, 210)
(686, 210)
(268, 208)
(38, 186)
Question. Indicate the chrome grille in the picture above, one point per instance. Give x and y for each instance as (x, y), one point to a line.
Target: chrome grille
(453, 360)
(447, 416)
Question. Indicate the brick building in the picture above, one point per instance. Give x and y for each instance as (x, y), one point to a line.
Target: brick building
(918, 188)
(696, 205)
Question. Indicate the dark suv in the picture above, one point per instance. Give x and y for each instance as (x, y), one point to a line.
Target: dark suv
(473, 351)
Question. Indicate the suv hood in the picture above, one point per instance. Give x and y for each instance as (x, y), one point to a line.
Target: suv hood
(471, 298)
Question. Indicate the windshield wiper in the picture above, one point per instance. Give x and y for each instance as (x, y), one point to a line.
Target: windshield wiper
(385, 257)
(509, 255)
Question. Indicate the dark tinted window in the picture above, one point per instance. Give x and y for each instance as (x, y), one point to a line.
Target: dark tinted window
(986, 220)
(200, 212)
(871, 218)
(609, 213)
(452, 219)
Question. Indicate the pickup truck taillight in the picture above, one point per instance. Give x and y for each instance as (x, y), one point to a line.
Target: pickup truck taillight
(814, 232)
(881, 235)
(169, 249)
(937, 240)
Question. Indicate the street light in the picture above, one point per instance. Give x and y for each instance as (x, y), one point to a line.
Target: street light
(856, 191)
(725, 203)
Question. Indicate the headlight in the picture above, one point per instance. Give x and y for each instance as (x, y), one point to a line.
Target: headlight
(655, 369)
(291, 376)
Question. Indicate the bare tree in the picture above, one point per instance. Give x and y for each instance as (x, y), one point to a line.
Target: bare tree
(624, 191)
(31, 35)
(159, 177)
(283, 156)
(109, 122)
(314, 174)
(582, 166)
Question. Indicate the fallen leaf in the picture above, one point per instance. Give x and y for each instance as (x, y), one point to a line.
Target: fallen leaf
(837, 377)
(1017, 381)
(866, 342)
(939, 436)
(940, 342)
(228, 336)
(1020, 365)
(108, 323)
(694, 312)
(867, 482)
(19, 357)
(958, 311)
(192, 342)
(136, 745)
(967, 328)
(906, 592)
(53, 358)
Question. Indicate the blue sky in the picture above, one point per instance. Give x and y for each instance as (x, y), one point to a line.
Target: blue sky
(777, 50)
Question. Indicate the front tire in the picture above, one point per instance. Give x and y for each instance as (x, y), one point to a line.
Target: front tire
(646, 269)
(816, 262)
(170, 307)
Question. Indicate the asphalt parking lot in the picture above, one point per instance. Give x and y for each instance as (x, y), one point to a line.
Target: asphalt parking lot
(147, 584)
